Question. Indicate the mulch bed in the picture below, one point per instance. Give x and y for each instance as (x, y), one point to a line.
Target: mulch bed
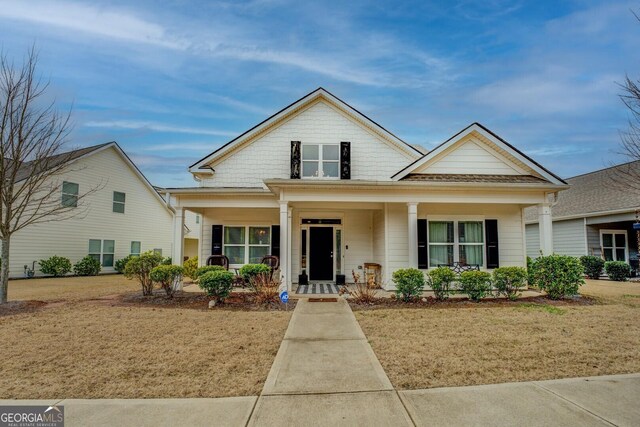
(18, 307)
(241, 301)
(430, 302)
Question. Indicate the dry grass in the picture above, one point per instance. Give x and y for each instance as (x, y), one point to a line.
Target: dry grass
(70, 288)
(94, 350)
(436, 347)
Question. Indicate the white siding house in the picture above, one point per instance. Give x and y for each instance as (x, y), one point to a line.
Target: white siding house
(124, 215)
(326, 189)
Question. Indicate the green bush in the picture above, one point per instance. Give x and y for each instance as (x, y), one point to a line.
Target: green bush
(592, 265)
(558, 275)
(248, 271)
(190, 266)
(139, 267)
(441, 280)
(619, 271)
(167, 261)
(166, 276)
(56, 266)
(122, 263)
(476, 284)
(87, 266)
(217, 284)
(409, 283)
(509, 280)
(208, 268)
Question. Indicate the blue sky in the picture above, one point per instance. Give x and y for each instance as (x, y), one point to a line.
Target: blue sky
(171, 82)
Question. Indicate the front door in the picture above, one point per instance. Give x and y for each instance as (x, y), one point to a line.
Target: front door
(321, 253)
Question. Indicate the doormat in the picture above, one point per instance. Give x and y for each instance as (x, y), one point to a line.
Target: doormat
(323, 299)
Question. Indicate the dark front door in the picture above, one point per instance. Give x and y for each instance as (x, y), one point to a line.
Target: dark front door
(321, 253)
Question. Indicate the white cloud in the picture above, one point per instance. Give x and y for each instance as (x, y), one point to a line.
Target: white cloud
(95, 20)
(157, 127)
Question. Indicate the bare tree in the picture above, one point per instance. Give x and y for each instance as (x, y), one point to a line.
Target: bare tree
(33, 134)
(626, 177)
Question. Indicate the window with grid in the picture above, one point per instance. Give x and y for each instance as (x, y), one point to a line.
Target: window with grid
(320, 160)
(246, 244)
(456, 241)
(70, 194)
(103, 251)
(118, 201)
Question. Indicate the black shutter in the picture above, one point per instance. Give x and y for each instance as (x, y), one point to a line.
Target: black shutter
(295, 159)
(491, 234)
(345, 160)
(275, 240)
(216, 240)
(423, 248)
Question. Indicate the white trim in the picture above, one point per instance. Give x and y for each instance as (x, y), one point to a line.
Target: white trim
(589, 215)
(479, 130)
(614, 247)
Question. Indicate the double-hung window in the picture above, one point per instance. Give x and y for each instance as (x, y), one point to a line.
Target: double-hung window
(135, 248)
(320, 161)
(118, 201)
(246, 244)
(456, 241)
(70, 194)
(103, 251)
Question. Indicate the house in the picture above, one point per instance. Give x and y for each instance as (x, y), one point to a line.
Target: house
(124, 215)
(593, 217)
(327, 189)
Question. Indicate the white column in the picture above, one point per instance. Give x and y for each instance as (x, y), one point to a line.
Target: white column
(289, 246)
(545, 225)
(284, 245)
(178, 237)
(412, 241)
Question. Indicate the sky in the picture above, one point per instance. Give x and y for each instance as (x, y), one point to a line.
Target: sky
(172, 81)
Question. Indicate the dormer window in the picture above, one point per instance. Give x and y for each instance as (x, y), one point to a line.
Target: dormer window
(321, 161)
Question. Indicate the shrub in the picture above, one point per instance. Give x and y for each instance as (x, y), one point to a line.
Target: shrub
(558, 275)
(206, 269)
(619, 271)
(476, 284)
(139, 267)
(190, 266)
(122, 263)
(592, 266)
(56, 266)
(166, 261)
(508, 281)
(217, 284)
(248, 271)
(441, 280)
(409, 283)
(166, 276)
(87, 266)
(264, 288)
(363, 294)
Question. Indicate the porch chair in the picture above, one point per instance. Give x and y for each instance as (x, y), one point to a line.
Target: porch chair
(221, 260)
(459, 267)
(272, 261)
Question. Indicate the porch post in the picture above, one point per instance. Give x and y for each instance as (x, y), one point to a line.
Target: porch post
(178, 237)
(289, 246)
(545, 225)
(284, 244)
(412, 209)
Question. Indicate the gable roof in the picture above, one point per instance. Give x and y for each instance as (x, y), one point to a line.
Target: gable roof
(319, 93)
(71, 156)
(495, 139)
(594, 192)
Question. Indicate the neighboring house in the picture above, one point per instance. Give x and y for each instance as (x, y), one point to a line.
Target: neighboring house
(327, 190)
(125, 215)
(594, 217)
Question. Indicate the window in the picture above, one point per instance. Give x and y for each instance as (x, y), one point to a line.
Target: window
(246, 244)
(135, 248)
(70, 194)
(456, 241)
(614, 245)
(118, 201)
(157, 251)
(197, 219)
(320, 160)
(103, 251)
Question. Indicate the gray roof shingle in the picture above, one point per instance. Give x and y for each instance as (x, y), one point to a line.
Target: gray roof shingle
(445, 177)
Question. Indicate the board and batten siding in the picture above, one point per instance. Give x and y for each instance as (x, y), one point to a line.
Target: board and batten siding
(470, 156)
(268, 156)
(568, 238)
(146, 219)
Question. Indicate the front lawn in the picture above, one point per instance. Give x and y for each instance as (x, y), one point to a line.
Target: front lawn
(103, 349)
(481, 344)
(72, 287)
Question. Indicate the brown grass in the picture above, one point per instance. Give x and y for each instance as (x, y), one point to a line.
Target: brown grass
(436, 347)
(93, 350)
(70, 288)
